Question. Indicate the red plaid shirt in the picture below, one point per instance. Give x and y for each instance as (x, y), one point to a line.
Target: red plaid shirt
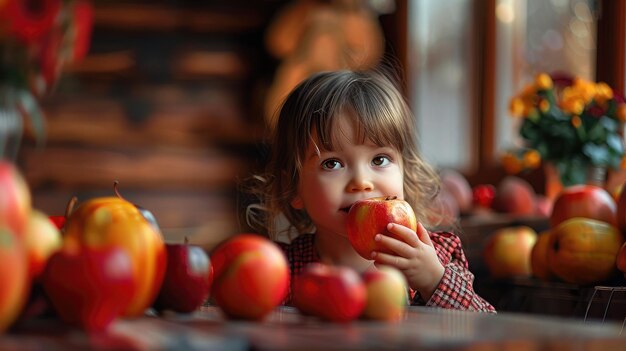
(455, 290)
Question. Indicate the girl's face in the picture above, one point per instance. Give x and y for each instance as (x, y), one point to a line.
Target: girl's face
(332, 180)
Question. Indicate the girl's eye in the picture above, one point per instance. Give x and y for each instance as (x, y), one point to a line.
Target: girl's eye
(331, 164)
(381, 161)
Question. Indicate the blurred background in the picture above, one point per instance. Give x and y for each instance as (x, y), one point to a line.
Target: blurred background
(173, 98)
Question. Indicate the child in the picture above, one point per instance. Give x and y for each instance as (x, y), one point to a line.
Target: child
(340, 137)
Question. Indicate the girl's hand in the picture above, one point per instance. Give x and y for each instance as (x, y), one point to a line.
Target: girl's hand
(415, 257)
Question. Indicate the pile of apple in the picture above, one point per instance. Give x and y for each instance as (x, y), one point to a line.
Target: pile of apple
(584, 243)
(252, 277)
(512, 195)
(106, 260)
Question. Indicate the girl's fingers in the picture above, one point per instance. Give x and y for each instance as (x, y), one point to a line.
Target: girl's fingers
(398, 262)
(422, 233)
(394, 245)
(405, 234)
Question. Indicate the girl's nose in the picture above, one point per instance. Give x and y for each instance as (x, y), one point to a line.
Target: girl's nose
(359, 182)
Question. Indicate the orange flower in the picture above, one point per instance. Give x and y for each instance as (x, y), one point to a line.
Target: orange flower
(517, 107)
(531, 159)
(543, 81)
(621, 112)
(511, 164)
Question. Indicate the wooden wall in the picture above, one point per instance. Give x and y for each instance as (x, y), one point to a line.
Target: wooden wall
(169, 102)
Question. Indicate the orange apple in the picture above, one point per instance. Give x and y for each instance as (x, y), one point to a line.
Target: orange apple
(587, 201)
(514, 195)
(14, 280)
(112, 221)
(42, 239)
(15, 199)
(539, 257)
(387, 295)
(507, 251)
(584, 251)
(250, 276)
(369, 217)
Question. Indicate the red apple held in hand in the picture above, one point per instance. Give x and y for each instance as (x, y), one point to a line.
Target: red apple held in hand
(507, 252)
(587, 201)
(188, 278)
(42, 239)
(333, 293)
(251, 276)
(14, 280)
(369, 217)
(90, 287)
(15, 199)
(387, 294)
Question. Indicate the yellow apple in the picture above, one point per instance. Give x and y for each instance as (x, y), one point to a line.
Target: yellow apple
(42, 239)
(507, 251)
(387, 295)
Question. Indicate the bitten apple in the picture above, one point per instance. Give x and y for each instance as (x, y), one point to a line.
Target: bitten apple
(15, 199)
(507, 252)
(369, 217)
(251, 276)
(587, 201)
(89, 287)
(387, 294)
(42, 239)
(333, 293)
(14, 281)
(187, 280)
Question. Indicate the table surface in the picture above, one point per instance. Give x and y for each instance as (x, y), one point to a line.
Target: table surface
(285, 329)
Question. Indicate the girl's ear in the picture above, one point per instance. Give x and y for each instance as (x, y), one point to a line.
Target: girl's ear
(297, 203)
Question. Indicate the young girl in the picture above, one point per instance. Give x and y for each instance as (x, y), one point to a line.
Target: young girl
(344, 136)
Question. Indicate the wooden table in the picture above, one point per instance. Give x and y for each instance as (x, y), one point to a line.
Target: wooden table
(285, 329)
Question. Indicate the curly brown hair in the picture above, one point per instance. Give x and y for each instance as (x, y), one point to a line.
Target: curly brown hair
(383, 116)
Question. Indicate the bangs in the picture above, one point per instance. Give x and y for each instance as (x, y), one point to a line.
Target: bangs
(376, 116)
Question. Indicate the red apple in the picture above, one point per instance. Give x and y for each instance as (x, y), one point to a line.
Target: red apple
(387, 294)
(459, 188)
(369, 217)
(42, 239)
(587, 201)
(90, 287)
(15, 199)
(14, 281)
(187, 280)
(514, 195)
(507, 252)
(333, 293)
(251, 276)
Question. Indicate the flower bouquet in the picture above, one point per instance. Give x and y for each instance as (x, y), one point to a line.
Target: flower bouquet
(38, 38)
(572, 123)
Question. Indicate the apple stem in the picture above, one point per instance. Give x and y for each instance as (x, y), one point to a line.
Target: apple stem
(70, 206)
(388, 198)
(116, 190)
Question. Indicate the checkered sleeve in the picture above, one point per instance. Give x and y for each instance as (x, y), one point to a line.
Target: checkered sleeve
(455, 290)
(299, 253)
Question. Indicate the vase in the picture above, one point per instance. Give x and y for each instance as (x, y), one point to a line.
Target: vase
(553, 184)
(594, 175)
(11, 124)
